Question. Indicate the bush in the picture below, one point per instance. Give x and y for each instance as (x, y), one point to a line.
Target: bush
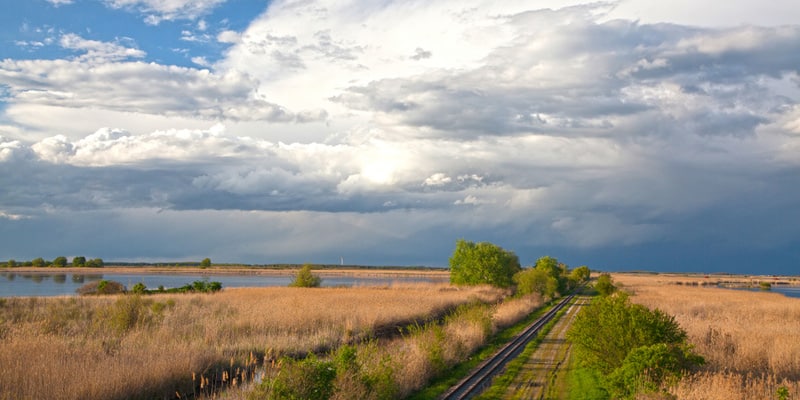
(633, 347)
(305, 278)
(605, 285)
(647, 368)
(139, 288)
(309, 378)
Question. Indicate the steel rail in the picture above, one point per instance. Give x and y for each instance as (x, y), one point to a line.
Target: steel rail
(476, 381)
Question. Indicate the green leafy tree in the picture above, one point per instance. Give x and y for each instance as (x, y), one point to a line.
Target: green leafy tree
(535, 280)
(205, 263)
(580, 274)
(60, 262)
(553, 268)
(95, 263)
(79, 261)
(305, 278)
(482, 263)
(605, 285)
(11, 263)
(38, 262)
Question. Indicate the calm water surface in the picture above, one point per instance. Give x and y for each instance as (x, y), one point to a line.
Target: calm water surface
(788, 291)
(14, 284)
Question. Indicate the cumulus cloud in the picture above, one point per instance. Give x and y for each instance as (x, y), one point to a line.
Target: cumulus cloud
(548, 128)
(170, 90)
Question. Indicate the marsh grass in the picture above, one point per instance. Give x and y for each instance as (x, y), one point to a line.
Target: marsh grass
(394, 367)
(155, 346)
(750, 340)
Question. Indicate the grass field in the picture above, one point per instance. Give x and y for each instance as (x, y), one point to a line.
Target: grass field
(750, 340)
(131, 346)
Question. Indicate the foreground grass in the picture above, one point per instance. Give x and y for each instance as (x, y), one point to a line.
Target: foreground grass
(396, 367)
(510, 319)
(158, 346)
(582, 383)
(750, 340)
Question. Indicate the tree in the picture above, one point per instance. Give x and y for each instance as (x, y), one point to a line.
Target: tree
(605, 285)
(12, 263)
(580, 274)
(535, 280)
(79, 261)
(38, 262)
(60, 262)
(305, 278)
(95, 263)
(482, 263)
(205, 263)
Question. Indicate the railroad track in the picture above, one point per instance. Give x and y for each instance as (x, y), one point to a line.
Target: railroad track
(482, 375)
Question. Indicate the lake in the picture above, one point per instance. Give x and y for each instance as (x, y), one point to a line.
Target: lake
(16, 284)
(786, 290)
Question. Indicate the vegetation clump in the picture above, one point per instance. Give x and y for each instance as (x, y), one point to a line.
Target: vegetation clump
(634, 349)
(482, 263)
(101, 287)
(112, 287)
(305, 278)
(605, 285)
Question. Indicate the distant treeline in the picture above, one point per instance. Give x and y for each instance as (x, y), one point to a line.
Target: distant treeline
(58, 262)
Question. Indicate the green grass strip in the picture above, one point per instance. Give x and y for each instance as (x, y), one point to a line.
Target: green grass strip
(501, 382)
(441, 384)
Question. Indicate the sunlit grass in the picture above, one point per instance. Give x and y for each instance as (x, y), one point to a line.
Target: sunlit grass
(126, 346)
(750, 340)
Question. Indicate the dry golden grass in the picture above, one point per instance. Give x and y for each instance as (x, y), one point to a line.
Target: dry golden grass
(750, 340)
(127, 347)
(409, 362)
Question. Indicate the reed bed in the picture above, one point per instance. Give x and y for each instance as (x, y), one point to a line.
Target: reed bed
(397, 367)
(750, 340)
(162, 346)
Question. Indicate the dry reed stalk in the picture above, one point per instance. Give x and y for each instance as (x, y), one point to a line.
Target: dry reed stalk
(751, 340)
(57, 348)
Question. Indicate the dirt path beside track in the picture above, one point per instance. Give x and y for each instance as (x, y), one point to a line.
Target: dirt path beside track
(536, 379)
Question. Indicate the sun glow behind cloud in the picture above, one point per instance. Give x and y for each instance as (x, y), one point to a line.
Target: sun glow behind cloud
(397, 127)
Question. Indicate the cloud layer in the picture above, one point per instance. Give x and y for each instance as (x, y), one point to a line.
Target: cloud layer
(387, 131)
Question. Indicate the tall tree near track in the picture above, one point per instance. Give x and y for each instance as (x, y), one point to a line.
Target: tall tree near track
(482, 263)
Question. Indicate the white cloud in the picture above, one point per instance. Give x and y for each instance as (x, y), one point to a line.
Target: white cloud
(141, 88)
(549, 128)
(228, 36)
(96, 51)
(156, 11)
(201, 61)
(58, 3)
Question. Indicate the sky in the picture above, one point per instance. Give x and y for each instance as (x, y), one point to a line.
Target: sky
(629, 135)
